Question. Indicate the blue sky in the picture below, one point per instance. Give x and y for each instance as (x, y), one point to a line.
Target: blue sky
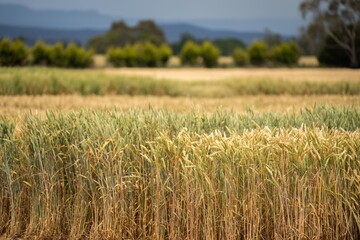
(177, 9)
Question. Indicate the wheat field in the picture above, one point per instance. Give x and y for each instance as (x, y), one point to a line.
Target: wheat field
(165, 175)
(151, 154)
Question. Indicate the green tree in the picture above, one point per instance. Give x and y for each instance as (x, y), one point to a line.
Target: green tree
(13, 53)
(41, 54)
(57, 56)
(286, 53)
(120, 35)
(240, 57)
(210, 54)
(337, 16)
(116, 56)
(258, 53)
(165, 53)
(77, 57)
(148, 55)
(190, 54)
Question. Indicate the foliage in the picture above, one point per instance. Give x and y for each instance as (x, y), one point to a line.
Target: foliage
(139, 55)
(12, 53)
(165, 53)
(336, 16)
(116, 56)
(225, 45)
(78, 57)
(70, 57)
(240, 57)
(131, 55)
(179, 169)
(57, 56)
(228, 45)
(190, 54)
(121, 35)
(333, 55)
(210, 54)
(41, 54)
(257, 52)
(286, 53)
(149, 55)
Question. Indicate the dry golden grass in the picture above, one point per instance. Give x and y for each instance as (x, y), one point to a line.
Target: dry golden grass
(308, 61)
(18, 105)
(289, 74)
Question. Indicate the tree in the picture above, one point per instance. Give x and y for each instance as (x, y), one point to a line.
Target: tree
(337, 16)
(121, 35)
(190, 53)
(210, 54)
(12, 53)
(286, 53)
(240, 57)
(258, 53)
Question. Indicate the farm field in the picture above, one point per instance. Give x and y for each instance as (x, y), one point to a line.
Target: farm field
(179, 153)
(159, 174)
(224, 61)
(16, 106)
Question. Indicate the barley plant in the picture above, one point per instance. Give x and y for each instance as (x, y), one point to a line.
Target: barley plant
(163, 175)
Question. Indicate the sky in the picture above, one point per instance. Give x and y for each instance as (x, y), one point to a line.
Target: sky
(177, 9)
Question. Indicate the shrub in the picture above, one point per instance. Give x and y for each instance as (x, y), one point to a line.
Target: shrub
(41, 54)
(12, 53)
(257, 53)
(58, 56)
(190, 54)
(240, 57)
(148, 55)
(287, 53)
(131, 56)
(77, 57)
(165, 53)
(210, 54)
(116, 57)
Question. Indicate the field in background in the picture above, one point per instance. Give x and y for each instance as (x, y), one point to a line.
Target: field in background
(305, 61)
(16, 106)
(179, 82)
(203, 74)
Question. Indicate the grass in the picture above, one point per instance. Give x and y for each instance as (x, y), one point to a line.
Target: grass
(166, 175)
(39, 81)
(17, 106)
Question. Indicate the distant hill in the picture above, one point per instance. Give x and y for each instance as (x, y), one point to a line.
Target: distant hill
(174, 31)
(32, 34)
(80, 26)
(17, 15)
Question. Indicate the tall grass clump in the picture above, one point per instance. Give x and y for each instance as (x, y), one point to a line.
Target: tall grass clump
(131, 175)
